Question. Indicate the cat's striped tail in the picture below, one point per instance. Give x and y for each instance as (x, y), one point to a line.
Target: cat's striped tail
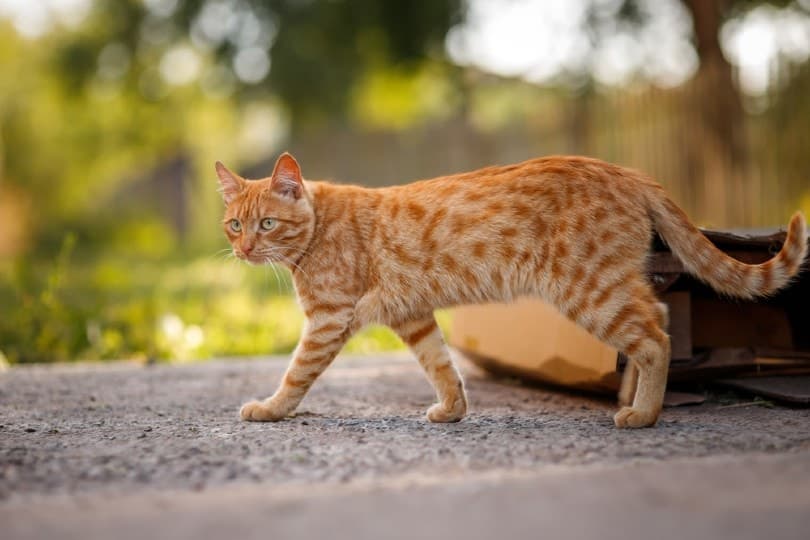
(723, 273)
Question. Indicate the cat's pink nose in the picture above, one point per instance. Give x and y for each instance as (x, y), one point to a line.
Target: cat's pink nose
(247, 249)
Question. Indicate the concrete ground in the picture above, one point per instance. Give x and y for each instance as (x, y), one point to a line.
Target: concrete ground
(125, 451)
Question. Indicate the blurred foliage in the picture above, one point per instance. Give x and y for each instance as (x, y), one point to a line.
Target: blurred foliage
(135, 309)
(361, 36)
(318, 50)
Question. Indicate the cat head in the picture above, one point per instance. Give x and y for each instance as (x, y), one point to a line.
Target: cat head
(269, 220)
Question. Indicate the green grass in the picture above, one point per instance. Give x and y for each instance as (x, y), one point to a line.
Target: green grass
(70, 309)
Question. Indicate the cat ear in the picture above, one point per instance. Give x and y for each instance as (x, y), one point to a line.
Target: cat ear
(286, 178)
(230, 184)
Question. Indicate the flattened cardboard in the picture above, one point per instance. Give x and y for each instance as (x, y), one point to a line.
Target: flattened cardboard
(792, 389)
(536, 342)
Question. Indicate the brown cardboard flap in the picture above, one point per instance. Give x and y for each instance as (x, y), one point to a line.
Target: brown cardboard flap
(533, 338)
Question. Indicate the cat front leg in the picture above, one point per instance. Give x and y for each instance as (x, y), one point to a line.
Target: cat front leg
(425, 340)
(322, 340)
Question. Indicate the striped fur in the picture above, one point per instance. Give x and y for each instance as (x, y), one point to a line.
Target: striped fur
(573, 231)
(725, 274)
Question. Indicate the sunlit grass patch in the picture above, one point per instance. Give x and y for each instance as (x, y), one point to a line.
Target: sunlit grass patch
(113, 308)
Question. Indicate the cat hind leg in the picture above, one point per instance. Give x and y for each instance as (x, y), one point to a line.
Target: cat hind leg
(626, 315)
(648, 349)
(652, 365)
(627, 390)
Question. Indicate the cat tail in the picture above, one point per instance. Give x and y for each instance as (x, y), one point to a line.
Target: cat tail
(723, 273)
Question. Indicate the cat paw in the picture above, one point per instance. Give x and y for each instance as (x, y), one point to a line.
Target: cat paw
(439, 414)
(628, 417)
(259, 411)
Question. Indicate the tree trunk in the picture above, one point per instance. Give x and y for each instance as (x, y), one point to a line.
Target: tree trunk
(718, 153)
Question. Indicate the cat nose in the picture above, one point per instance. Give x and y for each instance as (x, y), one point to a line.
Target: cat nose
(247, 249)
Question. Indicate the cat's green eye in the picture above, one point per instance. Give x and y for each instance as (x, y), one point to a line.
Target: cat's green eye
(235, 225)
(268, 223)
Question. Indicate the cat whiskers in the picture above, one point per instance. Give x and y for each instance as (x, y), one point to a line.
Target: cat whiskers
(271, 265)
(298, 250)
(291, 262)
(268, 260)
(223, 254)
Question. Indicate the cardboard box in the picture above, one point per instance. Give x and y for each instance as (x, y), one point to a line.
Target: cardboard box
(712, 336)
(530, 339)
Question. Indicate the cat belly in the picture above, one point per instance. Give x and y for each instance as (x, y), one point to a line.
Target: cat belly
(403, 298)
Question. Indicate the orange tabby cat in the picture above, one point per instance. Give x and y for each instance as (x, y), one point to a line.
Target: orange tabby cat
(570, 230)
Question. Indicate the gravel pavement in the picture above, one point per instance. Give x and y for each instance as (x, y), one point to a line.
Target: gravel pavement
(86, 450)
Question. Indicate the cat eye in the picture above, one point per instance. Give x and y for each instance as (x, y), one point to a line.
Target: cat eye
(268, 223)
(235, 225)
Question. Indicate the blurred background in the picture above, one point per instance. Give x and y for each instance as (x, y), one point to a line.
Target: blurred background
(112, 113)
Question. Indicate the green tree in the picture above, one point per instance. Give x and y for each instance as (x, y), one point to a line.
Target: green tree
(318, 50)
